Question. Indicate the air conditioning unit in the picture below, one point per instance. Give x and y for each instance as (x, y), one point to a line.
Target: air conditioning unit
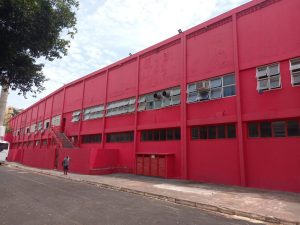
(202, 86)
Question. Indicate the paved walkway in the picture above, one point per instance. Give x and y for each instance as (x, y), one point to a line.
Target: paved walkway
(268, 206)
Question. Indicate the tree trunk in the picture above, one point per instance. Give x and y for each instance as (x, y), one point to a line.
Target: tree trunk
(3, 101)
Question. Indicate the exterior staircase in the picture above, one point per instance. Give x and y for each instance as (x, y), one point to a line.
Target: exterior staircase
(62, 139)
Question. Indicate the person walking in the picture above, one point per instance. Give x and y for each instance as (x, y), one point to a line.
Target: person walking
(66, 163)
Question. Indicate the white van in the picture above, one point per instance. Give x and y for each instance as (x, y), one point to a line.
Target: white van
(4, 148)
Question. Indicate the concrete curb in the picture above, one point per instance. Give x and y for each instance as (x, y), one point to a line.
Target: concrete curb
(199, 205)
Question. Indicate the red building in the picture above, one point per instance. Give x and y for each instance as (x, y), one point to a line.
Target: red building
(217, 103)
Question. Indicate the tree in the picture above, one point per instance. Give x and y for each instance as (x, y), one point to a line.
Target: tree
(30, 29)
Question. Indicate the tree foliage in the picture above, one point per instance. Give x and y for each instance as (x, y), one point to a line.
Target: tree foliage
(30, 29)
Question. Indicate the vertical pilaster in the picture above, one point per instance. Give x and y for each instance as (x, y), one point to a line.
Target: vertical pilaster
(240, 134)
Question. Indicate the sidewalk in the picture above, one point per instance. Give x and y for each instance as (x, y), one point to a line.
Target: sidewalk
(264, 205)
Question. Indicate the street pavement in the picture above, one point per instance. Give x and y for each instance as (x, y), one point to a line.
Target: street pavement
(28, 198)
(264, 205)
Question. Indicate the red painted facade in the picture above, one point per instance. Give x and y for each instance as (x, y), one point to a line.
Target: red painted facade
(238, 42)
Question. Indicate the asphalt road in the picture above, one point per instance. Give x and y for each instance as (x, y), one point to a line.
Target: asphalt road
(32, 199)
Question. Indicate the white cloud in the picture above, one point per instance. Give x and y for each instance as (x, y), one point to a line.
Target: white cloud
(109, 30)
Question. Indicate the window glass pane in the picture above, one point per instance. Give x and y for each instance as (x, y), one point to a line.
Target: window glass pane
(293, 128)
(216, 93)
(195, 132)
(274, 69)
(263, 84)
(175, 91)
(253, 130)
(296, 78)
(228, 80)
(279, 128)
(166, 102)
(261, 72)
(157, 104)
(177, 133)
(150, 105)
(212, 132)
(231, 131)
(170, 134)
(175, 100)
(203, 132)
(142, 106)
(216, 83)
(192, 97)
(221, 131)
(229, 91)
(265, 129)
(150, 135)
(144, 136)
(162, 134)
(156, 135)
(191, 88)
(275, 82)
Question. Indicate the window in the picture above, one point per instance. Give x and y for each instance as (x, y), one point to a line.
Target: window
(265, 129)
(293, 128)
(91, 138)
(295, 71)
(253, 130)
(56, 121)
(213, 132)
(280, 128)
(40, 126)
(268, 77)
(93, 112)
(161, 134)
(76, 116)
(159, 99)
(215, 88)
(120, 137)
(231, 131)
(47, 124)
(27, 130)
(120, 107)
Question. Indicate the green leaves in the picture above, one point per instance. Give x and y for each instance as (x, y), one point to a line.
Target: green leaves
(30, 29)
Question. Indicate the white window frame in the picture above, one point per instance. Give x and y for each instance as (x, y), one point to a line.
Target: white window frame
(119, 107)
(149, 102)
(295, 71)
(55, 121)
(202, 90)
(76, 116)
(267, 76)
(93, 112)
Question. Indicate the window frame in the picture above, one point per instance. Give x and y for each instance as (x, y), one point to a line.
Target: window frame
(267, 77)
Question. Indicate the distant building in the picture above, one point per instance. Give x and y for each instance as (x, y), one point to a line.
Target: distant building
(10, 113)
(217, 103)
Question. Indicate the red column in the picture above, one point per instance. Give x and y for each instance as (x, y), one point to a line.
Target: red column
(238, 103)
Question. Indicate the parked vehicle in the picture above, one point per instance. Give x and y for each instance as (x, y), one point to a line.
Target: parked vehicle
(4, 148)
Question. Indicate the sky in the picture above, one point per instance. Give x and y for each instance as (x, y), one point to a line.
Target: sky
(108, 30)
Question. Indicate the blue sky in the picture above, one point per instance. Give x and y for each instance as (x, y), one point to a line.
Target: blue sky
(109, 30)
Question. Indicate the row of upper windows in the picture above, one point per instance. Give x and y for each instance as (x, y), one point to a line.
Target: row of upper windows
(268, 76)
(39, 126)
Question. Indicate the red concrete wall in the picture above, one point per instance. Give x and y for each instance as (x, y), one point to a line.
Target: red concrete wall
(273, 163)
(94, 91)
(122, 81)
(160, 68)
(214, 161)
(210, 54)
